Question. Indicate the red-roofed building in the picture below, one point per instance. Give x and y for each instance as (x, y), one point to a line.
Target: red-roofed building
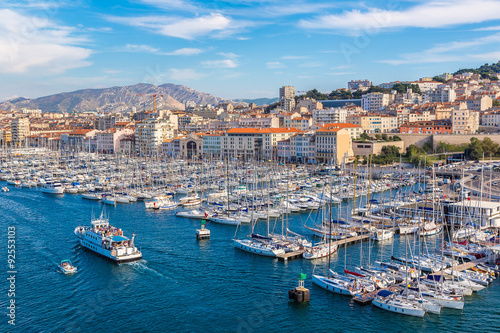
(333, 145)
(427, 127)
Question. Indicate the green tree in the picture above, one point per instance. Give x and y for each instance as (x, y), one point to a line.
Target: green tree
(427, 147)
(438, 79)
(365, 136)
(475, 149)
(378, 137)
(396, 138)
(384, 137)
(489, 147)
(496, 102)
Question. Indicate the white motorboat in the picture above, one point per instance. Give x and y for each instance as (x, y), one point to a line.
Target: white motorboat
(109, 200)
(257, 247)
(157, 202)
(71, 190)
(122, 199)
(190, 201)
(168, 204)
(5, 189)
(91, 196)
(193, 214)
(446, 301)
(319, 251)
(387, 300)
(53, 188)
(337, 286)
(225, 220)
(381, 234)
(430, 229)
(66, 267)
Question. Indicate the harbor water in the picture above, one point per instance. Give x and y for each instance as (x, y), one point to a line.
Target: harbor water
(185, 285)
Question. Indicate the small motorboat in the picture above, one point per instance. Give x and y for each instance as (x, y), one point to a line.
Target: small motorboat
(193, 214)
(5, 189)
(66, 267)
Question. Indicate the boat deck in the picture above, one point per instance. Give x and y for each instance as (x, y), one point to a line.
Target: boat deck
(365, 298)
(290, 255)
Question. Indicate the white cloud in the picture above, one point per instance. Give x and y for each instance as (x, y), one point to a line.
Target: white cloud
(186, 74)
(150, 49)
(448, 52)
(225, 63)
(140, 48)
(186, 51)
(185, 28)
(29, 42)
(494, 28)
(430, 14)
(229, 55)
(171, 4)
(292, 57)
(312, 64)
(274, 64)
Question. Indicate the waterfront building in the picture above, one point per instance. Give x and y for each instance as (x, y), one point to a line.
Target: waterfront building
(332, 145)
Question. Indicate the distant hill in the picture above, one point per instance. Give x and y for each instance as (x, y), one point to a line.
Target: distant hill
(115, 99)
(259, 101)
(486, 69)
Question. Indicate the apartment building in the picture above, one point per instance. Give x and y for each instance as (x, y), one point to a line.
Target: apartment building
(150, 134)
(332, 145)
(375, 101)
(464, 121)
(374, 123)
(20, 129)
(248, 143)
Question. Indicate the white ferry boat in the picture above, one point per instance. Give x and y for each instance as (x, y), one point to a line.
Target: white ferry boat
(108, 241)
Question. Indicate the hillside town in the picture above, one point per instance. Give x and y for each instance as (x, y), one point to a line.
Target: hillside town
(447, 108)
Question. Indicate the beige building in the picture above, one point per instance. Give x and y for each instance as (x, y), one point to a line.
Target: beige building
(464, 121)
(150, 134)
(191, 146)
(20, 129)
(375, 123)
(332, 145)
(373, 147)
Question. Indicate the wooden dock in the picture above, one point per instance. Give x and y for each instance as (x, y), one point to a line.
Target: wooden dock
(350, 240)
(290, 255)
(467, 265)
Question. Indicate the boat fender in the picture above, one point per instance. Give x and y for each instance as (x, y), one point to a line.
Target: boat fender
(113, 253)
(377, 281)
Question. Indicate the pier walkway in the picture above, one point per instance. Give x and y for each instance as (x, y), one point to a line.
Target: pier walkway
(467, 265)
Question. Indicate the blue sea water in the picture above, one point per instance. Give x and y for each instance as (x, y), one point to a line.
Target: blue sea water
(185, 285)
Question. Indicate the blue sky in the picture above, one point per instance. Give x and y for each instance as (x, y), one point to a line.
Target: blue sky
(238, 49)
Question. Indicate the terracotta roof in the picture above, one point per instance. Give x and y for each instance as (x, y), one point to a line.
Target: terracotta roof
(340, 125)
(262, 131)
(80, 132)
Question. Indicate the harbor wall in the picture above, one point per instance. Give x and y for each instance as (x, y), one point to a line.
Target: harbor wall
(455, 139)
(459, 139)
(414, 139)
